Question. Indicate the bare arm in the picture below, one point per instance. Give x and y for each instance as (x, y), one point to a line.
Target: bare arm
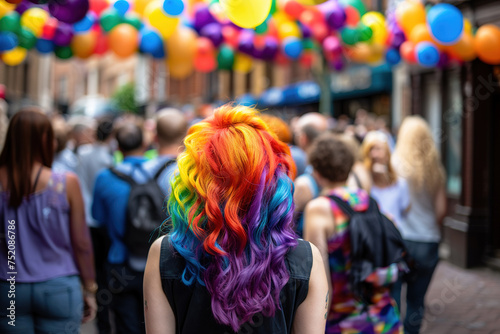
(318, 227)
(311, 314)
(82, 245)
(157, 311)
(440, 205)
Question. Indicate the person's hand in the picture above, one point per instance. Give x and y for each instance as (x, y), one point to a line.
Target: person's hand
(89, 307)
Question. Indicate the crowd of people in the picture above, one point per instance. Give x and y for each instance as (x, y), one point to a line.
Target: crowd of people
(251, 239)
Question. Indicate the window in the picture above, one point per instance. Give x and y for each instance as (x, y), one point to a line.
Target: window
(452, 124)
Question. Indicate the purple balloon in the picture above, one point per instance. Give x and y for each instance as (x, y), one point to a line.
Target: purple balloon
(398, 38)
(71, 11)
(444, 60)
(202, 17)
(25, 5)
(306, 31)
(245, 42)
(213, 32)
(335, 18)
(63, 34)
(337, 65)
(269, 51)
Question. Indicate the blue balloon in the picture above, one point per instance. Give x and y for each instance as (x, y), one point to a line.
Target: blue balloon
(121, 6)
(427, 54)
(446, 23)
(44, 46)
(292, 47)
(173, 7)
(85, 24)
(159, 53)
(8, 41)
(392, 56)
(151, 41)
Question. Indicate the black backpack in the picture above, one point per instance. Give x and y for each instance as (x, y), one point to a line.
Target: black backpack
(376, 245)
(145, 212)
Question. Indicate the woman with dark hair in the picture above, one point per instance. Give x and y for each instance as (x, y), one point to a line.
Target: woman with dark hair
(231, 263)
(45, 249)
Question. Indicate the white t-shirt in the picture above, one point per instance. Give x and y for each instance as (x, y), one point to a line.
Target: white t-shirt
(393, 200)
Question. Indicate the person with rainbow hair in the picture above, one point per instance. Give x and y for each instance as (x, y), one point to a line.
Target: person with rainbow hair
(231, 262)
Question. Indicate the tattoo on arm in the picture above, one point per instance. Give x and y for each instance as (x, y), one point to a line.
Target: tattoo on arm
(326, 303)
(145, 305)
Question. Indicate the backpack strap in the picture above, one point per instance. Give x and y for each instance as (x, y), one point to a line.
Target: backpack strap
(123, 176)
(343, 205)
(163, 167)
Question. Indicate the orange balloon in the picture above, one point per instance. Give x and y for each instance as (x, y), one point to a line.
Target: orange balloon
(409, 14)
(83, 45)
(407, 51)
(123, 40)
(359, 53)
(464, 49)
(421, 33)
(487, 44)
(181, 62)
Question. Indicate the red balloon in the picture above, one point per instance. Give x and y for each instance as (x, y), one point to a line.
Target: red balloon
(101, 45)
(282, 59)
(49, 29)
(319, 31)
(231, 35)
(407, 52)
(98, 6)
(312, 16)
(204, 47)
(294, 8)
(205, 64)
(351, 16)
(307, 59)
(14, 2)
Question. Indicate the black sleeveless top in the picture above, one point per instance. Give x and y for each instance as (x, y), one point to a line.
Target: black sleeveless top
(191, 304)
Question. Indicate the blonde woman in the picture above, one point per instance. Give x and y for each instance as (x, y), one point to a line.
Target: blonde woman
(390, 191)
(416, 158)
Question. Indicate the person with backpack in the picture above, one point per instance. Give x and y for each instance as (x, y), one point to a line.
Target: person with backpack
(361, 249)
(111, 207)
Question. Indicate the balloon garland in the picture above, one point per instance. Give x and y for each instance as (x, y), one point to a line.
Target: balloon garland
(206, 35)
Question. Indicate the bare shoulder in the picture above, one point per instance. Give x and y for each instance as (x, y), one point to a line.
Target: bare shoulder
(72, 180)
(156, 246)
(319, 205)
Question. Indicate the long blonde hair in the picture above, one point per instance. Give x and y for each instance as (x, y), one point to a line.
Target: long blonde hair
(416, 157)
(371, 139)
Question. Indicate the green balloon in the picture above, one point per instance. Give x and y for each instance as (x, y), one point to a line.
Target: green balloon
(350, 36)
(262, 28)
(10, 22)
(308, 44)
(109, 19)
(225, 58)
(134, 20)
(358, 4)
(365, 33)
(273, 7)
(26, 39)
(63, 52)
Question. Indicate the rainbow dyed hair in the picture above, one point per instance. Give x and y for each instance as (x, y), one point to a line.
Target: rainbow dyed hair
(231, 212)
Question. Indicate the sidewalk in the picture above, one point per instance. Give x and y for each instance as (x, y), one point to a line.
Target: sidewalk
(458, 301)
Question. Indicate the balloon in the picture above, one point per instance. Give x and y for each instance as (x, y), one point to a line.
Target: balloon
(140, 6)
(268, 49)
(288, 29)
(34, 19)
(262, 28)
(231, 36)
(242, 63)
(307, 59)
(202, 17)
(487, 44)
(63, 34)
(292, 47)
(446, 23)
(467, 26)
(376, 54)
(150, 41)
(15, 56)
(247, 14)
(407, 51)
(397, 38)
(351, 16)
(349, 36)
(376, 22)
(213, 32)
(121, 6)
(205, 56)
(332, 47)
(444, 60)
(71, 11)
(319, 31)
(27, 39)
(409, 14)
(392, 56)
(311, 16)
(123, 40)
(83, 45)
(63, 52)
(173, 7)
(134, 20)
(44, 46)
(15, 2)
(101, 45)
(427, 54)
(225, 58)
(359, 53)
(165, 25)
(6, 7)
(464, 49)
(365, 32)
(337, 65)
(49, 29)
(293, 8)
(10, 22)
(357, 4)
(335, 17)
(85, 24)
(109, 19)
(420, 33)
(180, 63)
(8, 41)
(98, 6)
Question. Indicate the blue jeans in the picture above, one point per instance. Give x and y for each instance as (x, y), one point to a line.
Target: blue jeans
(50, 307)
(426, 256)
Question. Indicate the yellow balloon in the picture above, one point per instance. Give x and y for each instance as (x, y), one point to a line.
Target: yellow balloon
(247, 13)
(140, 6)
(6, 7)
(34, 19)
(242, 63)
(166, 25)
(376, 54)
(288, 29)
(409, 14)
(181, 62)
(467, 26)
(376, 22)
(15, 56)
